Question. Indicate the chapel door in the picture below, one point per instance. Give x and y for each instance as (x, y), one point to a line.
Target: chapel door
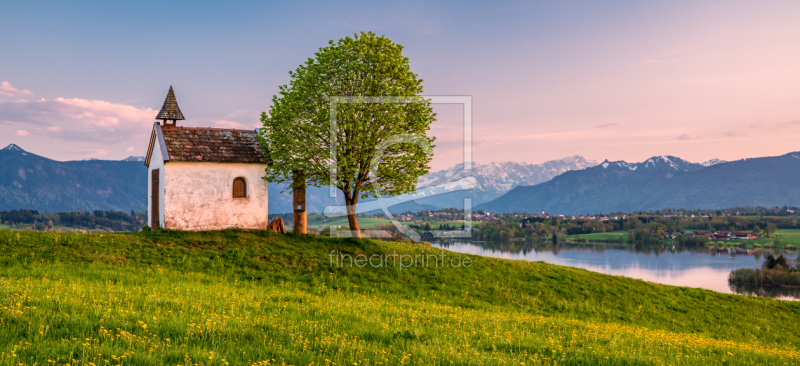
(154, 214)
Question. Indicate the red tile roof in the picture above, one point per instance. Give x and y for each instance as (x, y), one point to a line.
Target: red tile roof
(212, 145)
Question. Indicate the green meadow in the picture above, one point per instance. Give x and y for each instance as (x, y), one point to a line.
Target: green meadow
(258, 298)
(783, 236)
(614, 235)
(780, 239)
(319, 222)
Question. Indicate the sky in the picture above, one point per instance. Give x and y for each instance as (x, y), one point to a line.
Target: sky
(623, 80)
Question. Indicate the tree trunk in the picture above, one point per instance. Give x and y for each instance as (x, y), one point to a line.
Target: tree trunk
(351, 201)
(299, 223)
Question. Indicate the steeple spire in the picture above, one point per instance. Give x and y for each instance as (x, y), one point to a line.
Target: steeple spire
(170, 110)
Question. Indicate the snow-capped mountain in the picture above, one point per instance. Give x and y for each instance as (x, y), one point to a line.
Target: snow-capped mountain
(713, 162)
(130, 158)
(13, 147)
(657, 162)
(495, 179)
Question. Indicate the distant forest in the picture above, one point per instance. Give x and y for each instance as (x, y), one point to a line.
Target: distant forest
(643, 226)
(64, 221)
(506, 226)
(738, 211)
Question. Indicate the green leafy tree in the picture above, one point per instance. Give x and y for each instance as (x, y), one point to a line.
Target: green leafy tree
(770, 230)
(369, 158)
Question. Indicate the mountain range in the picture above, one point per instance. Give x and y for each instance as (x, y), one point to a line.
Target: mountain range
(33, 182)
(660, 182)
(493, 180)
(572, 185)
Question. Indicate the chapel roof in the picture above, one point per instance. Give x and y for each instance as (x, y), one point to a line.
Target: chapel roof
(201, 144)
(213, 145)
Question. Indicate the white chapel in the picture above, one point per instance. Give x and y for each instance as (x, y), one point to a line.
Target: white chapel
(203, 178)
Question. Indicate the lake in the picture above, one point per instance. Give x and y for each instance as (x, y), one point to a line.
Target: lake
(703, 267)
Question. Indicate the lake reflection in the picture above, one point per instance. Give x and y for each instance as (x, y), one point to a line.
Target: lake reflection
(703, 267)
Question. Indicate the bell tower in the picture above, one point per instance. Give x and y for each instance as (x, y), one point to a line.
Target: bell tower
(170, 111)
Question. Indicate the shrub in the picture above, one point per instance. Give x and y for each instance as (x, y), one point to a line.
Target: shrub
(764, 277)
(326, 231)
(774, 263)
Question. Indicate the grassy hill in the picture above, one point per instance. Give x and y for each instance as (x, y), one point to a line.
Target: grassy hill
(235, 297)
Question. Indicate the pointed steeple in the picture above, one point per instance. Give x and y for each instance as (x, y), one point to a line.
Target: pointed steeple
(170, 110)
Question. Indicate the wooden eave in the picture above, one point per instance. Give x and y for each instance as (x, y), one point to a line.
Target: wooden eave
(156, 138)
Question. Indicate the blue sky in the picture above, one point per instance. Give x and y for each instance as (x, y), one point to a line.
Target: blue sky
(622, 80)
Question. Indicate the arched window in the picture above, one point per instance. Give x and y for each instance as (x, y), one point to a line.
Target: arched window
(239, 188)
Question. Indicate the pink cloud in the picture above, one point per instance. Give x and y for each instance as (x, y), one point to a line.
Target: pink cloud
(8, 90)
(92, 128)
(608, 125)
(772, 127)
(687, 137)
(735, 133)
(790, 124)
(78, 119)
